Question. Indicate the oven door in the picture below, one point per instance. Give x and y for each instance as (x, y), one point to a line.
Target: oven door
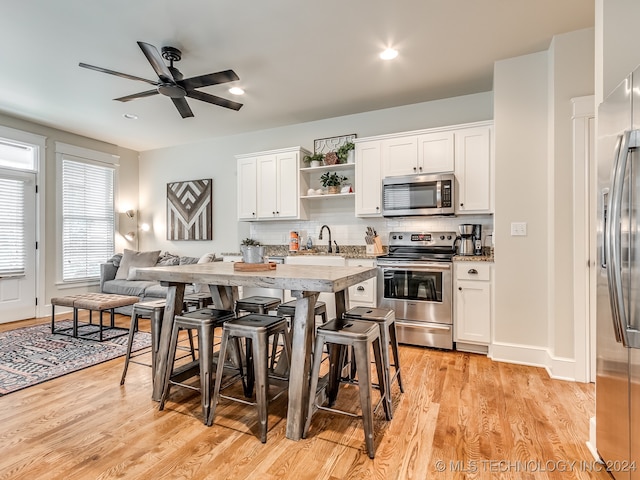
(419, 292)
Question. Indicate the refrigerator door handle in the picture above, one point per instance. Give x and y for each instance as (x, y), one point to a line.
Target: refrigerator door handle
(629, 337)
(605, 206)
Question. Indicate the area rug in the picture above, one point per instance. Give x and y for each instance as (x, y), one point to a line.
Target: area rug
(32, 355)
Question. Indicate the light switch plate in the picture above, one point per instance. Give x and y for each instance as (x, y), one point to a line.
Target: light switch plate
(518, 229)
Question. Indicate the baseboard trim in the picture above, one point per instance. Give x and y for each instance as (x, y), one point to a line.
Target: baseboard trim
(559, 368)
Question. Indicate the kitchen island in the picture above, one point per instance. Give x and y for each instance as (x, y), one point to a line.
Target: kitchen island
(305, 283)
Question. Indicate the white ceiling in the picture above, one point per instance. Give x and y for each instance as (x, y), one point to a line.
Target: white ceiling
(298, 61)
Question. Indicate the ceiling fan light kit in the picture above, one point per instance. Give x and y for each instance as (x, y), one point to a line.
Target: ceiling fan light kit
(171, 82)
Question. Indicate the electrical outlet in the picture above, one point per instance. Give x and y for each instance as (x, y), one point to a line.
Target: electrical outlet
(518, 229)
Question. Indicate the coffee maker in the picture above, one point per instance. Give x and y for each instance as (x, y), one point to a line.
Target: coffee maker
(470, 239)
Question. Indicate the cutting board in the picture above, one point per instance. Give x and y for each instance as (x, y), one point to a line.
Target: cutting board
(254, 267)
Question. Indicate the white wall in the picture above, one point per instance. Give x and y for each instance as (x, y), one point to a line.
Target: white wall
(534, 274)
(216, 159)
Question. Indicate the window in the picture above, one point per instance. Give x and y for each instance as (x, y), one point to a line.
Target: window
(12, 227)
(87, 216)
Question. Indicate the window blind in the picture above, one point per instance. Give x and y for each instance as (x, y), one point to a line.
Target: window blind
(12, 227)
(88, 218)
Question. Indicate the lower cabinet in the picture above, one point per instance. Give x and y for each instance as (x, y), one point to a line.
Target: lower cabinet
(363, 294)
(473, 305)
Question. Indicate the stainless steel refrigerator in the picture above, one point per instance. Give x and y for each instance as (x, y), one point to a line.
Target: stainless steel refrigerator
(618, 291)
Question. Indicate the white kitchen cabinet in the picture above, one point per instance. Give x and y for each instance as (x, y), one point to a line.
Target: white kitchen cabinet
(418, 153)
(363, 294)
(436, 152)
(473, 170)
(473, 305)
(247, 185)
(368, 179)
(400, 156)
(274, 182)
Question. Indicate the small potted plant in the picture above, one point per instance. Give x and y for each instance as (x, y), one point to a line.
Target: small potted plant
(315, 160)
(346, 152)
(332, 181)
(252, 251)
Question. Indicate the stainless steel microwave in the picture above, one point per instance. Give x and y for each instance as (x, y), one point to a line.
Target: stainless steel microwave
(418, 195)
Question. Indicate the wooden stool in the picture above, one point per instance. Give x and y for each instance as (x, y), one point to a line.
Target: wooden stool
(361, 336)
(257, 304)
(386, 320)
(256, 330)
(205, 322)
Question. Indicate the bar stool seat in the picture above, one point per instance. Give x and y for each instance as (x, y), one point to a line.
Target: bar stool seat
(205, 321)
(386, 320)
(288, 309)
(256, 330)
(361, 336)
(257, 304)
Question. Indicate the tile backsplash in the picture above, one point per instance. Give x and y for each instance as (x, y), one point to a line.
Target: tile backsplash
(346, 229)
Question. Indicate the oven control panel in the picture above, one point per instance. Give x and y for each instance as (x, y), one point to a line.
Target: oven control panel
(422, 238)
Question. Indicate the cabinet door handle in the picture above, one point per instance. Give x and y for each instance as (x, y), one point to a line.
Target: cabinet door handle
(460, 288)
(420, 168)
(377, 208)
(360, 288)
(462, 204)
(414, 169)
(472, 271)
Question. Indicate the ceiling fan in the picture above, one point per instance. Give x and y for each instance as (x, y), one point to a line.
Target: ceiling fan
(171, 82)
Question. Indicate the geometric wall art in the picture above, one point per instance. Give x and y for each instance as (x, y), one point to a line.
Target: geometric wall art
(189, 210)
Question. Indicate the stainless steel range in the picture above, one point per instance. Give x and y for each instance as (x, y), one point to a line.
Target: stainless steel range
(415, 279)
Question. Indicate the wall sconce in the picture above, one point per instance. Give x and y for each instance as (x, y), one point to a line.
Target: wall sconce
(130, 213)
(130, 236)
(129, 224)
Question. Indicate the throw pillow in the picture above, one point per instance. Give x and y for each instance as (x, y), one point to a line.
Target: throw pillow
(188, 260)
(207, 258)
(116, 259)
(167, 260)
(131, 258)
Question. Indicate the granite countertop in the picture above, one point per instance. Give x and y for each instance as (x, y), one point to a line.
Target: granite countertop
(353, 251)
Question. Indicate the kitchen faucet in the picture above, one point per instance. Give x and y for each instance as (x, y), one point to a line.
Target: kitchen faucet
(330, 250)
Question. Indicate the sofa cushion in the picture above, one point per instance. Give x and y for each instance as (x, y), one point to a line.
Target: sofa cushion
(128, 287)
(132, 258)
(158, 291)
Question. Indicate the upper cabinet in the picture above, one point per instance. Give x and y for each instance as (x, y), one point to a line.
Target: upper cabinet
(368, 179)
(269, 185)
(473, 170)
(418, 153)
(465, 150)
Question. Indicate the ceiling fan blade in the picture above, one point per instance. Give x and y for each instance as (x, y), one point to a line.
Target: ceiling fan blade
(183, 107)
(222, 102)
(148, 93)
(155, 59)
(209, 79)
(117, 74)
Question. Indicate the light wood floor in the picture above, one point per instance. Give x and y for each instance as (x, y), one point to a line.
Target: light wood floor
(461, 416)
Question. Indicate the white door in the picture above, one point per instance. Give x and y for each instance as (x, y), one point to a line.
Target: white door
(17, 245)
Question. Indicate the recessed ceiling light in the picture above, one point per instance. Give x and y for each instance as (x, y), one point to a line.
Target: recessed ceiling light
(236, 91)
(130, 116)
(389, 54)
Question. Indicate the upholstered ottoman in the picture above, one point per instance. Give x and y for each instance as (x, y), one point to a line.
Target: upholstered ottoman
(92, 302)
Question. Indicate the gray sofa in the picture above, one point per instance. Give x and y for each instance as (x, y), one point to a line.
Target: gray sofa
(146, 290)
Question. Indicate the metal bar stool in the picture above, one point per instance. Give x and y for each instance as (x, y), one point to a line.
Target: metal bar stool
(205, 322)
(198, 300)
(256, 330)
(257, 304)
(361, 336)
(386, 320)
(154, 310)
(288, 309)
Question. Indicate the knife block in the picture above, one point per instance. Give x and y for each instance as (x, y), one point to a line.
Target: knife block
(376, 247)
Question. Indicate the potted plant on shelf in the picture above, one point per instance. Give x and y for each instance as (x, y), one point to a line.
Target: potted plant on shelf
(332, 181)
(346, 152)
(315, 160)
(252, 251)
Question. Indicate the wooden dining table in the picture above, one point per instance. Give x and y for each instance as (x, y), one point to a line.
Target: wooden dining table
(305, 283)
